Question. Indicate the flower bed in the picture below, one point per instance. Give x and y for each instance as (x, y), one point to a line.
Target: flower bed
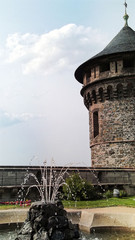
(18, 203)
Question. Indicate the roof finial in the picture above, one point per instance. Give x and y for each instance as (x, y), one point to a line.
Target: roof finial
(126, 15)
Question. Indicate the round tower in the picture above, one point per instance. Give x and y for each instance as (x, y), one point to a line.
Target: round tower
(109, 95)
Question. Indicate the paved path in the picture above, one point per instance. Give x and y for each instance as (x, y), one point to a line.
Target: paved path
(106, 210)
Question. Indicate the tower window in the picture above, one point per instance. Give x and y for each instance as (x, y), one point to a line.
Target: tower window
(128, 62)
(94, 72)
(105, 67)
(116, 68)
(109, 92)
(130, 89)
(120, 90)
(101, 94)
(95, 123)
(94, 97)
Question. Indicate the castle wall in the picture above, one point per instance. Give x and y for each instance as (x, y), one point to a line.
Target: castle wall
(104, 178)
(114, 154)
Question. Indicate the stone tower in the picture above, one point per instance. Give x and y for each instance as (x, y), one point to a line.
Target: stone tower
(109, 95)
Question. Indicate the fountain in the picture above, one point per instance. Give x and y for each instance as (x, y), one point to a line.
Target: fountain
(47, 219)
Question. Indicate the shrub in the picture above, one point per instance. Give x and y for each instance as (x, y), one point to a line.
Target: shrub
(91, 192)
(108, 194)
(74, 188)
(77, 188)
(123, 193)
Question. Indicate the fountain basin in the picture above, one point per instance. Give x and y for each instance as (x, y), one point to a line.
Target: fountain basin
(13, 215)
(107, 218)
(88, 219)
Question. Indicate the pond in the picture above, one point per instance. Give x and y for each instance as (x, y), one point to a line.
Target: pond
(111, 235)
(8, 232)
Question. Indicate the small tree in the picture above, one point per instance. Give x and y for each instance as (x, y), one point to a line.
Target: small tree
(76, 188)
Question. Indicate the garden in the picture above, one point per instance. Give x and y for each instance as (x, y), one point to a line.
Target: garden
(78, 193)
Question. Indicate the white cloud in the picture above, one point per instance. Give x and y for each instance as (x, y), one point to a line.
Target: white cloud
(54, 51)
(52, 100)
(9, 119)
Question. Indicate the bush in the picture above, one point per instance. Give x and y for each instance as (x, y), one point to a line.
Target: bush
(74, 188)
(77, 188)
(123, 193)
(91, 192)
(108, 194)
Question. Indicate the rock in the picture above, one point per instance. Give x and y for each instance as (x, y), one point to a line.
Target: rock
(60, 205)
(23, 237)
(76, 231)
(41, 234)
(69, 234)
(26, 229)
(62, 222)
(48, 222)
(57, 235)
(52, 222)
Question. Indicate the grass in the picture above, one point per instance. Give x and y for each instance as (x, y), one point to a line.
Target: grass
(127, 202)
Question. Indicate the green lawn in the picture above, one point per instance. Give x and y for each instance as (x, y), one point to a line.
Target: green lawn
(127, 201)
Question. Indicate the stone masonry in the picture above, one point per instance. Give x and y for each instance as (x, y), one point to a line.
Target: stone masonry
(116, 139)
(11, 179)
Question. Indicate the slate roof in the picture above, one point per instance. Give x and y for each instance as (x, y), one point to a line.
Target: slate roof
(124, 41)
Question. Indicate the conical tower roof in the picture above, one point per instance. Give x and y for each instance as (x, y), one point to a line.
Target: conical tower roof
(123, 42)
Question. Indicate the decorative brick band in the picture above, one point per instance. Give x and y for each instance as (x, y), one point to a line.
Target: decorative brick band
(108, 91)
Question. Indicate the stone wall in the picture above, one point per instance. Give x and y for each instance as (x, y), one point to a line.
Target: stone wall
(104, 178)
(114, 100)
(14, 176)
(118, 154)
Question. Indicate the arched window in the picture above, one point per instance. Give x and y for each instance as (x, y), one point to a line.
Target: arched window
(95, 123)
(101, 94)
(89, 98)
(94, 96)
(120, 90)
(109, 92)
(130, 89)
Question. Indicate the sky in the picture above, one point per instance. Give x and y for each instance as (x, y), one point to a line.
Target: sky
(42, 42)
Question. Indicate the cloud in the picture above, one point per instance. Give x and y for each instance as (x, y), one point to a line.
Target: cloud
(9, 119)
(54, 51)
